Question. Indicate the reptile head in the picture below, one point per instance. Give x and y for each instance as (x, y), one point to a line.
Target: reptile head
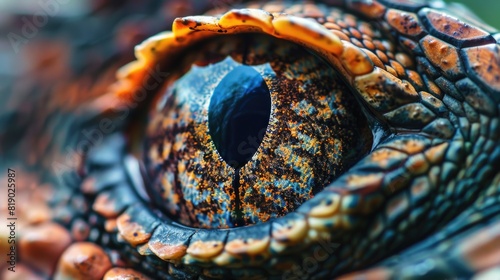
(377, 127)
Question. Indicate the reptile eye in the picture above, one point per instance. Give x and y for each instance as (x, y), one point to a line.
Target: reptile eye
(252, 127)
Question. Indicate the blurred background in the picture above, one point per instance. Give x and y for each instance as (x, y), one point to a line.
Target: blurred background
(488, 10)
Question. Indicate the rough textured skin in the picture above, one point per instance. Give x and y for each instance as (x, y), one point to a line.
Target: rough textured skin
(424, 203)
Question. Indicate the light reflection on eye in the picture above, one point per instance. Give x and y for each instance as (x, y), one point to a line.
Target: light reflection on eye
(253, 129)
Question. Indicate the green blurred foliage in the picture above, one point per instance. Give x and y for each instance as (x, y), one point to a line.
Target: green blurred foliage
(487, 10)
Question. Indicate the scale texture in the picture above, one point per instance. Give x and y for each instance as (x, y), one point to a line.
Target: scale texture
(421, 202)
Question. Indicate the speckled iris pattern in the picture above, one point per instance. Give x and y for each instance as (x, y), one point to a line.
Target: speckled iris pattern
(314, 133)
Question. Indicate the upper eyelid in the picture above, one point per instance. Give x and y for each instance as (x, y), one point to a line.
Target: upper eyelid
(188, 30)
(350, 61)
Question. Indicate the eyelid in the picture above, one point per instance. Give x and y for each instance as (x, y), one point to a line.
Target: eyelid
(349, 60)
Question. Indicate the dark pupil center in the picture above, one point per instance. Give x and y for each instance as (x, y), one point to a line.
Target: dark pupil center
(238, 115)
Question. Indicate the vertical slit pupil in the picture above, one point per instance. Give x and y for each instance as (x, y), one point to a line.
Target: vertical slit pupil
(238, 115)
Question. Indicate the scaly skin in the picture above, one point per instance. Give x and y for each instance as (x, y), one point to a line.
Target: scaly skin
(423, 203)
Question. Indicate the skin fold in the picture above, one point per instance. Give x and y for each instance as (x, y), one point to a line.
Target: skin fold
(419, 201)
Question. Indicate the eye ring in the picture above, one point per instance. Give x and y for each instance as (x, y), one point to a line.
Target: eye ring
(290, 229)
